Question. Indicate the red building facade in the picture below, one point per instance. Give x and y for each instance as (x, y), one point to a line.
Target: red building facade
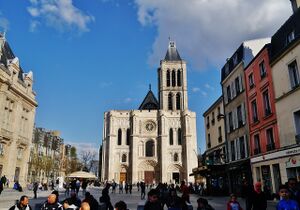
(262, 121)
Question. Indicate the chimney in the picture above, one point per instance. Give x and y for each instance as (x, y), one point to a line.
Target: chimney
(295, 5)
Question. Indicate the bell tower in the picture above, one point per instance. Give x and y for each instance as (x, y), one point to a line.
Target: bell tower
(172, 90)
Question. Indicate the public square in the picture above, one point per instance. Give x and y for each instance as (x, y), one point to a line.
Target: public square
(9, 196)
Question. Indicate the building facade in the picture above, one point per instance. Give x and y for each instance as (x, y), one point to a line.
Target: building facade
(157, 142)
(285, 59)
(17, 113)
(235, 110)
(262, 119)
(215, 154)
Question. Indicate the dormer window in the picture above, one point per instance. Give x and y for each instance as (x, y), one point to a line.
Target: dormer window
(290, 37)
(235, 59)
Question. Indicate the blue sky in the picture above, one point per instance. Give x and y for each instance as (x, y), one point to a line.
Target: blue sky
(96, 55)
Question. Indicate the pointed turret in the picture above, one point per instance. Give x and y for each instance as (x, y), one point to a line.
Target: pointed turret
(149, 102)
(172, 53)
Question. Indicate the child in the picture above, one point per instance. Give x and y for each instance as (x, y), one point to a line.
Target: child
(233, 204)
(285, 202)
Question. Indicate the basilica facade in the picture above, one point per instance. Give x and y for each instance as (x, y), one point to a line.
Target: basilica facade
(158, 141)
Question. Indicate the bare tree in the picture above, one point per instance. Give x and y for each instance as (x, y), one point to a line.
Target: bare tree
(88, 159)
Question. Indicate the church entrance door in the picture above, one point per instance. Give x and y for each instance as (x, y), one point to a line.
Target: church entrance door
(149, 177)
(176, 177)
(123, 176)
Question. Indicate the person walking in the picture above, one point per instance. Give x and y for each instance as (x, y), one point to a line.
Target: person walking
(203, 204)
(35, 188)
(1, 187)
(51, 203)
(257, 199)
(294, 192)
(285, 202)
(23, 204)
(143, 190)
(105, 197)
(153, 203)
(233, 204)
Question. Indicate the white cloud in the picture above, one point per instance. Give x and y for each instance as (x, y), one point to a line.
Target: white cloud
(4, 24)
(128, 100)
(195, 89)
(209, 87)
(33, 25)
(203, 93)
(80, 147)
(60, 14)
(207, 32)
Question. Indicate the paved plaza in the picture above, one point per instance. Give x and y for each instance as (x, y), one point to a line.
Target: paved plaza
(9, 197)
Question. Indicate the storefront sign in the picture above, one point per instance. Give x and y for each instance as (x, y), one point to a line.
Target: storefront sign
(293, 162)
(275, 155)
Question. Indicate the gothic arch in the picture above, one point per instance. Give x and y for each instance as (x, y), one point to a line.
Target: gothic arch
(173, 78)
(178, 101)
(170, 101)
(179, 81)
(168, 78)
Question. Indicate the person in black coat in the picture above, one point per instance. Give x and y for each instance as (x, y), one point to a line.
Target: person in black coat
(153, 203)
(105, 197)
(258, 199)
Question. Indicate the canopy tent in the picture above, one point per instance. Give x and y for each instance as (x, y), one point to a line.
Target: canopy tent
(82, 174)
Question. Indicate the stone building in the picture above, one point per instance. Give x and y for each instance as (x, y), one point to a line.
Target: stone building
(235, 110)
(17, 112)
(157, 142)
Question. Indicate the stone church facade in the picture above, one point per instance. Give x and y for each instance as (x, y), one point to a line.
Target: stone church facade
(157, 142)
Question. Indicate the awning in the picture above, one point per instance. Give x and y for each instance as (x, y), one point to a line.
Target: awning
(82, 174)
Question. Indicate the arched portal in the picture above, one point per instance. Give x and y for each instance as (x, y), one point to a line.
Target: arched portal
(148, 170)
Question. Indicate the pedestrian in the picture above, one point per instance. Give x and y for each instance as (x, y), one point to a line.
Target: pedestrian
(285, 202)
(35, 188)
(77, 186)
(23, 204)
(85, 206)
(130, 188)
(138, 186)
(173, 201)
(126, 188)
(120, 188)
(105, 197)
(91, 200)
(121, 205)
(1, 187)
(51, 203)
(257, 198)
(3, 180)
(143, 190)
(293, 190)
(153, 203)
(67, 187)
(84, 186)
(233, 204)
(203, 204)
(68, 206)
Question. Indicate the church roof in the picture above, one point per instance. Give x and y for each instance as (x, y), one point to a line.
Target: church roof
(149, 102)
(172, 53)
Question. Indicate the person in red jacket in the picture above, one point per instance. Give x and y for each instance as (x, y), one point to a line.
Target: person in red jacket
(233, 204)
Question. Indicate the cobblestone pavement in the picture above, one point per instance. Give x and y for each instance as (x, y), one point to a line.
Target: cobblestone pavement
(9, 196)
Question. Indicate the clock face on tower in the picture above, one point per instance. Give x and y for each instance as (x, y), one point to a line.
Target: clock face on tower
(150, 126)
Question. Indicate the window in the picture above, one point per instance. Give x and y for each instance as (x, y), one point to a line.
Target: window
(228, 90)
(232, 150)
(267, 103)
(251, 80)
(213, 118)
(294, 74)
(262, 70)
(235, 59)
(254, 111)
(173, 78)
(207, 122)
(230, 121)
(1, 149)
(226, 68)
(178, 78)
(270, 139)
(256, 144)
(290, 37)
(239, 116)
(124, 158)
(168, 78)
(19, 153)
(208, 141)
(119, 136)
(170, 102)
(149, 148)
(242, 147)
(179, 136)
(297, 125)
(128, 136)
(237, 85)
(219, 110)
(178, 101)
(175, 157)
(220, 134)
(171, 141)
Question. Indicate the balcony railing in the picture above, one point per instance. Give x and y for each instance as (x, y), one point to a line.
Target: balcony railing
(270, 146)
(220, 116)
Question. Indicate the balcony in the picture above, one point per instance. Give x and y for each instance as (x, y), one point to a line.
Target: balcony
(270, 146)
(256, 151)
(220, 116)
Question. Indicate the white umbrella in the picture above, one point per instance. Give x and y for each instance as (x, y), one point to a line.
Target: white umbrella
(82, 174)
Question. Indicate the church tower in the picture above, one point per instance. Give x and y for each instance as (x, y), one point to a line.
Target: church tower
(172, 82)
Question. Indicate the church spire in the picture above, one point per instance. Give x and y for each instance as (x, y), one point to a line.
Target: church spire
(172, 53)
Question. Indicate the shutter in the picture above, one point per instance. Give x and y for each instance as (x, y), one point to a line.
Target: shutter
(225, 96)
(235, 120)
(241, 82)
(243, 113)
(233, 89)
(227, 122)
